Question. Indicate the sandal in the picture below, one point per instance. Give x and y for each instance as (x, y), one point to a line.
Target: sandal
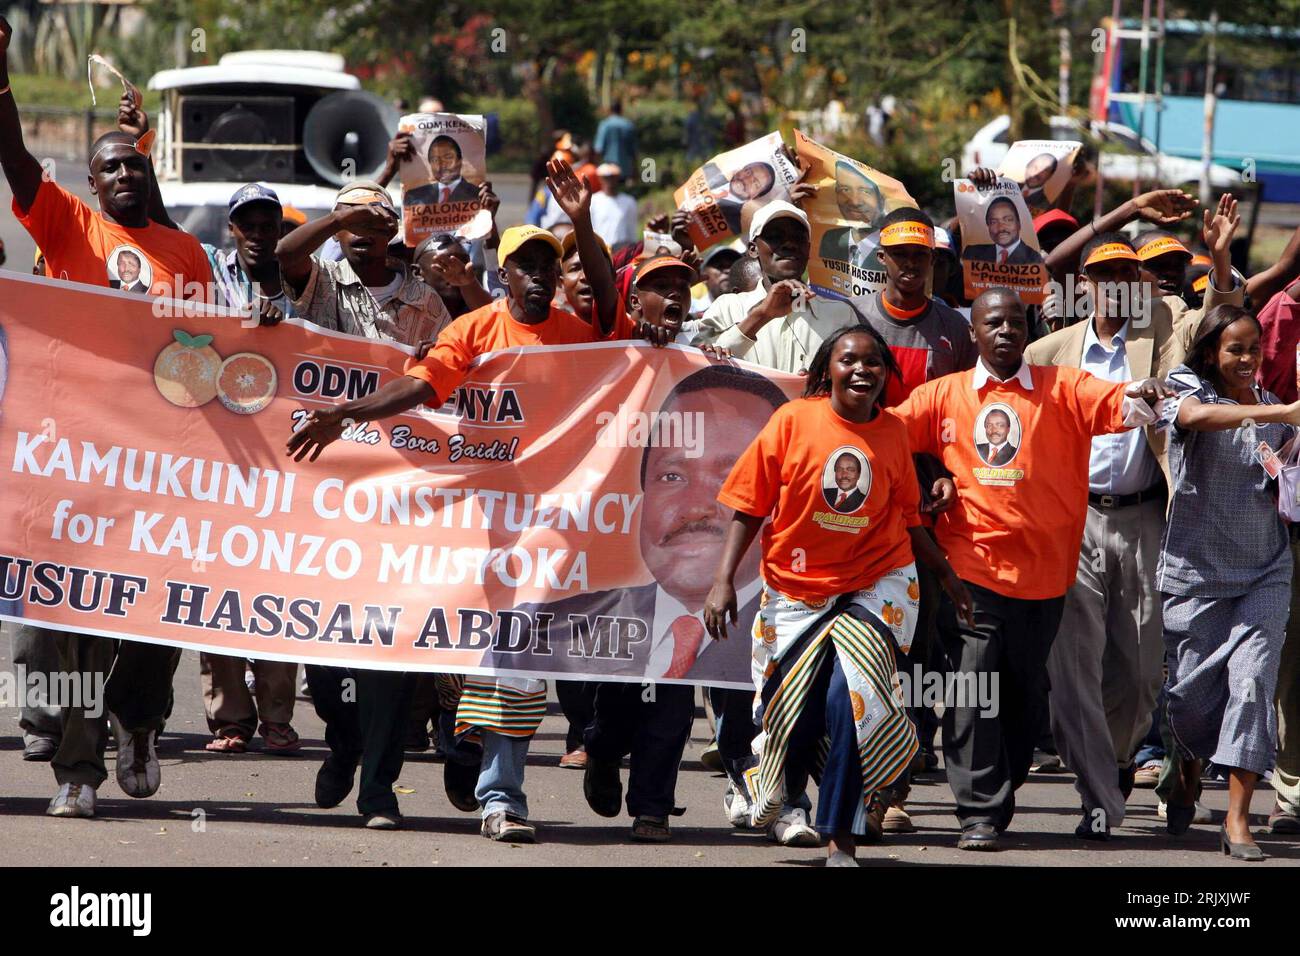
(650, 830)
(228, 740)
(507, 828)
(279, 738)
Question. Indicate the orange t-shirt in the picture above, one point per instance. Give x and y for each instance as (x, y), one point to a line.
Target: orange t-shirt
(80, 245)
(491, 328)
(1019, 459)
(844, 495)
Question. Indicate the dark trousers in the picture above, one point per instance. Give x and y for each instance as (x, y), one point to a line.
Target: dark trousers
(988, 746)
(136, 679)
(578, 704)
(653, 731)
(828, 711)
(733, 715)
(365, 722)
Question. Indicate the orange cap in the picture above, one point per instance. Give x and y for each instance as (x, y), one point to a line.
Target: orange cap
(294, 215)
(1201, 260)
(1161, 246)
(1109, 251)
(662, 262)
(907, 234)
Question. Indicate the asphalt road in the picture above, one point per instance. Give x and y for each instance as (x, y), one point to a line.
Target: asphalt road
(252, 809)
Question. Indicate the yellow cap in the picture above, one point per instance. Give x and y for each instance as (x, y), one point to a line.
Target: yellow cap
(1109, 251)
(570, 242)
(516, 236)
(1160, 246)
(907, 234)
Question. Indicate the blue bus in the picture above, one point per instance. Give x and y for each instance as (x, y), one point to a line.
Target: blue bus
(1257, 77)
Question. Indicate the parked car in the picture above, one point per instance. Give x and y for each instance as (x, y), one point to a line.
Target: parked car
(1123, 154)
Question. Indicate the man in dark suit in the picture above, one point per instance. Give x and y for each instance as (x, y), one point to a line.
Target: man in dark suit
(859, 202)
(655, 632)
(445, 164)
(845, 497)
(997, 450)
(1003, 221)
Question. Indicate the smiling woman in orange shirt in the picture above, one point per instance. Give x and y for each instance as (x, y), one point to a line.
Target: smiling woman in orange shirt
(839, 593)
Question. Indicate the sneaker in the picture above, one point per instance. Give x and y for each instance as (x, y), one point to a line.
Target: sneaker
(1200, 815)
(791, 829)
(138, 771)
(384, 820)
(1148, 775)
(737, 808)
(897, 820)
(1047, 763)
(73, 800)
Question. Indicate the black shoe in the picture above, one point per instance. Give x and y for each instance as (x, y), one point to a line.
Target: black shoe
(1239, 851)
(1281, 820)
(978, 836)
(333, 783)
(1127, 776)
(1087, 828)
(460, 781)
(602, 786)
(41, 749)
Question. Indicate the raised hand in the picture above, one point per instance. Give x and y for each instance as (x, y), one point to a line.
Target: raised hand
(680, 229)
(1222, 225)
(488, 199)
(1164, 207)
(131, 117)
(370, 220)
(802, 192)
(659, 223)
(983, 177)
(569, 191)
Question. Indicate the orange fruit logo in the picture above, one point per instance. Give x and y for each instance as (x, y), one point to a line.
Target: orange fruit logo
(185, 372)
(913, 589)
(859, 708)
(246, 383)
(816, 603)
(769, 633)
(892, 613)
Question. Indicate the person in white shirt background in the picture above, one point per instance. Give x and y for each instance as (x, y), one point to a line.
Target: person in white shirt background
(613, 212)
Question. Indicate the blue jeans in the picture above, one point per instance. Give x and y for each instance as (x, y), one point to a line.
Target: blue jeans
(501, 779)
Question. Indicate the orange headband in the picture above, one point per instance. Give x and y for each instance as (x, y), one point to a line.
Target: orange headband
(907, 234)
(1109, 251)
(1158, 247)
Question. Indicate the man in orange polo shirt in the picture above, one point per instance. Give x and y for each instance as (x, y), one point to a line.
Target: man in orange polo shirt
(507, 711)
(1013, 538)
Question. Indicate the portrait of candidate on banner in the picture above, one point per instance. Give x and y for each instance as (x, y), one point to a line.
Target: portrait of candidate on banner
(1042, 167)
(851, 200)
(680, 541)
(723, 194)
(440, 184)
(999, 245)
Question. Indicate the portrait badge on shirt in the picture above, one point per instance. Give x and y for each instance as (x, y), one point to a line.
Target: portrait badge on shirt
(846, 482)
(129, 270)
(997, 442)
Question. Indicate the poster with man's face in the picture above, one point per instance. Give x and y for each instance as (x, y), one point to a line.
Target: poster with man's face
(999, 245)
(845, 216)
(1042, 167)
(129, 270)
(723, 194)
(440, 184)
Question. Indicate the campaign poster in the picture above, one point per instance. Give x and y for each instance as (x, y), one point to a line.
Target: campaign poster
(999, 245)
(1042, 167)
(555, 517)
(723, 194)
(440, 184)
(845, 217)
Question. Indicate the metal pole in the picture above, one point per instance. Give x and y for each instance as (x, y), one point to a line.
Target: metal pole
(1160, 82)
(1063, 88)
(1207, 137)
(1142, 89)
(1113, 65)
